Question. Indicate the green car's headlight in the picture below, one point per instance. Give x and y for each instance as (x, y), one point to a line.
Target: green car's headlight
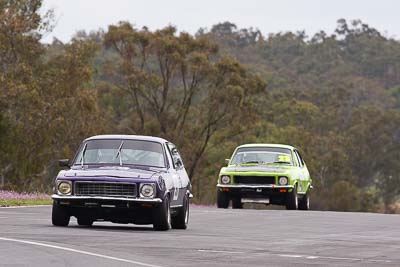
(225, 179)
(283, 180)
(147, 190)
(64, 188)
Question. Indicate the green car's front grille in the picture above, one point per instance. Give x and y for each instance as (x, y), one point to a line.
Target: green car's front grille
(254, 179)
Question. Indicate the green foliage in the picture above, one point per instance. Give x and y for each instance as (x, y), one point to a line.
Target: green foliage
(46, 105)
(336, 97)
(344, 197)
(176, 89)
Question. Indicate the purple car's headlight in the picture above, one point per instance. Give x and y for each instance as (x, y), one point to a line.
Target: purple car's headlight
(147, 190)
(64, 187)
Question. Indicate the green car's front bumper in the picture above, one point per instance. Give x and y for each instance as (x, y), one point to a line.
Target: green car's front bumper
(250, 193)
(271, 186)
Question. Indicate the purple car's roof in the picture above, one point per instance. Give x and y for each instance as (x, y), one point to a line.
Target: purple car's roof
(127, 137)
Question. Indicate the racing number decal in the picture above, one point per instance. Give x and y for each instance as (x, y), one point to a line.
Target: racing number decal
(284, 158)
(176, 185)
(178, 165)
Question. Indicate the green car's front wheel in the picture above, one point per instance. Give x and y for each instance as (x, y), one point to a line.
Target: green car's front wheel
(222, 200)
(304, 202)
(292, 202)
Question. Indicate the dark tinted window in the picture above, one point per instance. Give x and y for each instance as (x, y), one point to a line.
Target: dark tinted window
(131, 152)
(262, 155)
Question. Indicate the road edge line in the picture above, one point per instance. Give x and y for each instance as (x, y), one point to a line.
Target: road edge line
(77, 251)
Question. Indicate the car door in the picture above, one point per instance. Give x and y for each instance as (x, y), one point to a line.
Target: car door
(302, 172)
(183, 176)
(306, 174)
(176, 172)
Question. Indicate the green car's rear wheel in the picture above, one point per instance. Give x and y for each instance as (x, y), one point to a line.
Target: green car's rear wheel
(292, 202)
(222, 200)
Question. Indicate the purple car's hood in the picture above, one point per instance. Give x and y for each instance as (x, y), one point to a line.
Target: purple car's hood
(117, 172)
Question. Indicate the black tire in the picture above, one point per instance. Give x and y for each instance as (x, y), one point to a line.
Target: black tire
(162, 216)
(59, 215)
(304, 202)
(181, 219)
(292, 202)
(222, 200)
(237, 203)
(84, 221)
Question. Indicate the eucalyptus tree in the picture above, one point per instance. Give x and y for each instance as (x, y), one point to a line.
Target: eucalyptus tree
(180, 87)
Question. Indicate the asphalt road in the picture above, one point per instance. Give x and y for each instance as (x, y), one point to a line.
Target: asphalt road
(215, 237)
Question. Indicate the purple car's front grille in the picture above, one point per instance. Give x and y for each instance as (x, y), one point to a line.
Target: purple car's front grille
(105, 189)
(254, 179)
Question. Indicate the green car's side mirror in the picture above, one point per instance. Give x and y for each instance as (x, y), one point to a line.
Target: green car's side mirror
(227, 161)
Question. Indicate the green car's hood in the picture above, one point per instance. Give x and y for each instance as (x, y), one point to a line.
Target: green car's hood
(258, 168)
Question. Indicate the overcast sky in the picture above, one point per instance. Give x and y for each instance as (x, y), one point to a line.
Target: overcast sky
(270, 16)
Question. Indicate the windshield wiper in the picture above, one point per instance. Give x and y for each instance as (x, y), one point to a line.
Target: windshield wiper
(83, 155)
(252, 162)
(119, 153)
(282, 162)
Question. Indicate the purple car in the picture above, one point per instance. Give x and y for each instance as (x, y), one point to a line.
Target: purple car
(123, 179)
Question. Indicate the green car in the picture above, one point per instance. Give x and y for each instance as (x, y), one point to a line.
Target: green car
(265, 173)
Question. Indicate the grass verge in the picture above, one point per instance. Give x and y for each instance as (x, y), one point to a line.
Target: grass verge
(12, 198)
(24, 202)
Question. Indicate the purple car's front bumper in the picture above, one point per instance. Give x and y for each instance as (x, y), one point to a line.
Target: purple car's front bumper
(73, 198)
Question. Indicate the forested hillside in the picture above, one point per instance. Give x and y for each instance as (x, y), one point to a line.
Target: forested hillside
(334, 96)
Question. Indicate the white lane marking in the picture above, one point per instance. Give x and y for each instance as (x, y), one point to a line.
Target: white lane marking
(309, 257)
(19, 207)
(301, 256)
(312, 257)
(78, 251)
(386, 261)
(290, 256)
(220, 251)
(341, 258)
(4, 217)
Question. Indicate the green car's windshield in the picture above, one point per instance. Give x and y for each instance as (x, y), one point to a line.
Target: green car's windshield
(262, 155)
(121, 152)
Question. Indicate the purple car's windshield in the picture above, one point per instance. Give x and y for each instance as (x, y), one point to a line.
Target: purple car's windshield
(262, 155)
(121, 152)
